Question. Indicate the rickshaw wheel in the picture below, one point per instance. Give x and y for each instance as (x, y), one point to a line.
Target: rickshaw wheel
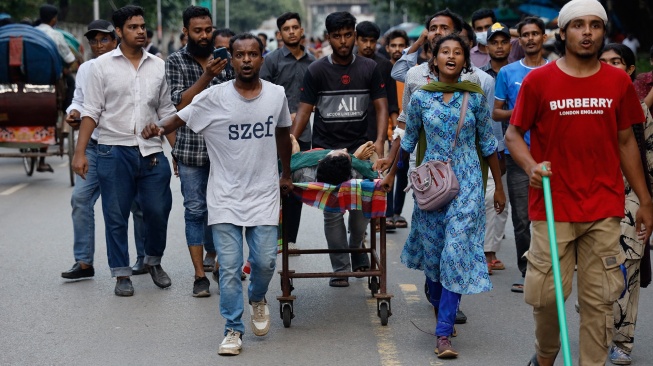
(28, 163)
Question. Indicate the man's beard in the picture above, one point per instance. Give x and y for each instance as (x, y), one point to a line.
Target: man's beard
(197, 50)
(499, 59)
(291, 45)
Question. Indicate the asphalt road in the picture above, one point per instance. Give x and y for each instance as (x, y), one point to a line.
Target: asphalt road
(45, 320)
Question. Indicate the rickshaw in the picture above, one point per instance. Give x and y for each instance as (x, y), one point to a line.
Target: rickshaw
(32, 91)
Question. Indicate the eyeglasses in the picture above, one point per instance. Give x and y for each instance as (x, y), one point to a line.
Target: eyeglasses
(94, 42)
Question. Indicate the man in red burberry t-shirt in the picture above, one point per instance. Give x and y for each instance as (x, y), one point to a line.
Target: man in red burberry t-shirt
(579, 112)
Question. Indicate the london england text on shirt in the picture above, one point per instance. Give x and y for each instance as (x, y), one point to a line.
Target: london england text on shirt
(246, 131)
(565, 105)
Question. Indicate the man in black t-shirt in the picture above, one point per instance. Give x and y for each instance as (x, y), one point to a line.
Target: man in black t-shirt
(341, 87)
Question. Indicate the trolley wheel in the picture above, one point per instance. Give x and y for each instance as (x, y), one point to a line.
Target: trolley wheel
(384, 313)
(286, 313)
(373, 285)
(71, 153)
(28, 163)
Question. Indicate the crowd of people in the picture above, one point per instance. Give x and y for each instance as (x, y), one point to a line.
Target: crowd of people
(481, 96)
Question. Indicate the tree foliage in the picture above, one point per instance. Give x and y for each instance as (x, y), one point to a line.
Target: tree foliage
(19, 9)
(245, 15)
(418, 10)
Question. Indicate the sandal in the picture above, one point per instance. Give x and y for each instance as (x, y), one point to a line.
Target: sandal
(400, 222)
(362, 269)
(497, 265)
(45, 167)
(390, 225)
(518, 286)
(339, 282)
(489, 269)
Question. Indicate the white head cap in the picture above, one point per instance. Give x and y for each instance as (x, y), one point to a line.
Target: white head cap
(580, 8)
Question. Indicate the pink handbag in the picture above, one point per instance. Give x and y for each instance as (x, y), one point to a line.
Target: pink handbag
(434, 183)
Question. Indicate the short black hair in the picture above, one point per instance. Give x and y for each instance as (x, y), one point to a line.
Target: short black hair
(263, 35)
(482, 14)
(333, 169)
(368, 29)
(339, 20)
(47, 12)
(182, 35)
(451, 37)
(195, 12)
(651, 52)
(531, 20)
(455, 18)
(626, 54)
(283, 18)
(122, 15)
(244, 36)
(223, 32)
(471, 35)
(149, 33)
(397, 33)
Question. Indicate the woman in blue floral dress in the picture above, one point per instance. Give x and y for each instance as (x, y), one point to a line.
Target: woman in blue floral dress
(447, 244)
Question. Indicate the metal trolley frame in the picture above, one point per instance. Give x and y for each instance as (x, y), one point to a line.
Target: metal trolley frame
(376, 275)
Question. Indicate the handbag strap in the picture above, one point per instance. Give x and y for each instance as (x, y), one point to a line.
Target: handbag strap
(463, 111)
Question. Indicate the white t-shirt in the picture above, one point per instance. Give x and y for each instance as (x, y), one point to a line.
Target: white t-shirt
(633, 45)
(243, 186)
(62, 46)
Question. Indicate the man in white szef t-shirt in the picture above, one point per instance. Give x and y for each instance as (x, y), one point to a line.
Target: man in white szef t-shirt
(245, 123)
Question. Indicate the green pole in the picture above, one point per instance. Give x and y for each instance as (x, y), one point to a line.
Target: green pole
(555, 262)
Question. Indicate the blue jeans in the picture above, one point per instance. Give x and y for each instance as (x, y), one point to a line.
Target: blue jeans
(85, 194)
(262, 242)
(447, 304)
(336, 236)
(193, 187)
(125, 174)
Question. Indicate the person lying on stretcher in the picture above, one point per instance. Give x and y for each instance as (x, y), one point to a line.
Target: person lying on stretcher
(337, 166)
(332, 166)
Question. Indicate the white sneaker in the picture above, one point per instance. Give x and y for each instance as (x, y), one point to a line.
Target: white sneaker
(260, 317)
(231, 344)
(293, 246)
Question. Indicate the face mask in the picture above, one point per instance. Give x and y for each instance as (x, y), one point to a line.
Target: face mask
(481, 37)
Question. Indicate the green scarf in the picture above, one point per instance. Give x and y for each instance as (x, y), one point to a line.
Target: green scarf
(464, 86)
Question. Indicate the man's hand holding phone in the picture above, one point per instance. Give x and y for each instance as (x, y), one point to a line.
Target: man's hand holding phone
(219, 62)
(74, 119)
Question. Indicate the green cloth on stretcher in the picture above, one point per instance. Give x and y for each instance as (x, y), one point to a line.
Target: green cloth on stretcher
(310, 158)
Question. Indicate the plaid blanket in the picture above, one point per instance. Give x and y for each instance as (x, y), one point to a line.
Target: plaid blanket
(355, 194)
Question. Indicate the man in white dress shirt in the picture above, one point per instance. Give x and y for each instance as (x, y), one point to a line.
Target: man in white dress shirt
(125, 91)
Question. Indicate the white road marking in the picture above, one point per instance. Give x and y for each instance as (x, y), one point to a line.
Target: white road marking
(14, 189)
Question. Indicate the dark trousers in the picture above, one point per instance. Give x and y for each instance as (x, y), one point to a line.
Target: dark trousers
(292, 212)
(518, 194)
(401, 183)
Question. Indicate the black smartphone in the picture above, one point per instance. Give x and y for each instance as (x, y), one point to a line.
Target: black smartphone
(77, 120)
(221, 53)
